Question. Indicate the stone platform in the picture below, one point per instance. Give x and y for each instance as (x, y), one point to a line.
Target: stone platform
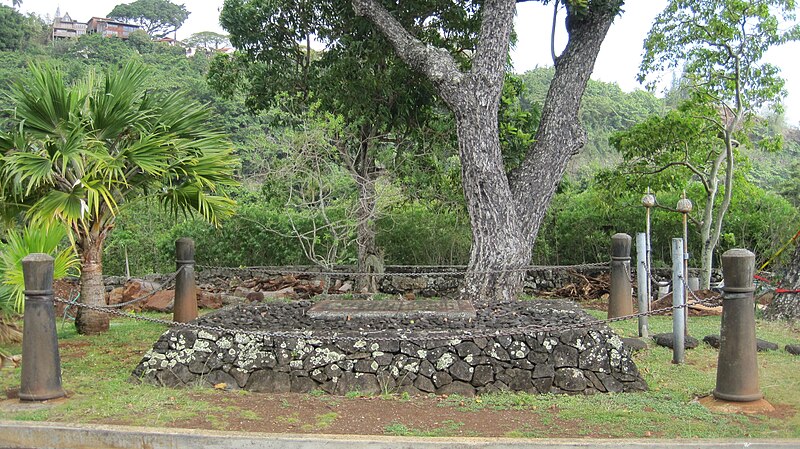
(365, 308)
(291, 351)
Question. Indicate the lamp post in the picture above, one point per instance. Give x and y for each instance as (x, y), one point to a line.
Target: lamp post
(648, 201)
(684, 207)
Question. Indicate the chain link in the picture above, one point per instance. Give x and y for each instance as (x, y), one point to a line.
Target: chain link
(456, 272)
(380, 335)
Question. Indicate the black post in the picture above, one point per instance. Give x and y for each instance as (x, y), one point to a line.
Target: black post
(41, 363)
(185, 308)
(737, 370)
(620, 298)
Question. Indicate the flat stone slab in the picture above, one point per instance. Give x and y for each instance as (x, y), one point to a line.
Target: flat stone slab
(666, 340)
(365, 308)
(761, 345)
(634, 343)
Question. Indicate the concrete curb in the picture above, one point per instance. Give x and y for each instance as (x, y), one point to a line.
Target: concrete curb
(15, 434)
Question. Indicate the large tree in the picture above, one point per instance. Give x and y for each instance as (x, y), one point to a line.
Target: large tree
(208, 40)
(721, 45)
(159, 18)
(79, 153)
(506, 210)
(380, 100)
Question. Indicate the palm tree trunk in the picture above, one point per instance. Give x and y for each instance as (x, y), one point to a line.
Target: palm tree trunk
(90, 322)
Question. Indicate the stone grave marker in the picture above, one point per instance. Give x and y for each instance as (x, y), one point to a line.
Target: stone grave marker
(366, 308)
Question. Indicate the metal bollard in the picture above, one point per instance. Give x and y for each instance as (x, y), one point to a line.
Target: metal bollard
(41, 363)
(185, 308)
(678, 316)
(620, 298)
(642, 282)
(737, 369)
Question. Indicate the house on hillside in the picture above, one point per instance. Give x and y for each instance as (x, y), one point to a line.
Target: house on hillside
(64, 27)
(110, 27)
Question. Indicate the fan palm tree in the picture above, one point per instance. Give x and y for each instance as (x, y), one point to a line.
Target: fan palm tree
(18, 245)
(78, 153)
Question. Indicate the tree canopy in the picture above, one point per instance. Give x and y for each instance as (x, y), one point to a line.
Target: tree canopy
(159, 18)
(208, 40)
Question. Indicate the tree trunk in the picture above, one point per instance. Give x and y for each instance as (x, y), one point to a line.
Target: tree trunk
(707, 251)
(361, 166)
(786, 306)
(505, 212)
(370, 260)
(499, 247)
(90, 322)
(706, 265)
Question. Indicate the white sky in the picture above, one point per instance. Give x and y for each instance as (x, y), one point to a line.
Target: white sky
(618, 60)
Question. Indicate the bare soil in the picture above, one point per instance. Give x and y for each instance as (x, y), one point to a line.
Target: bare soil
(301, 413)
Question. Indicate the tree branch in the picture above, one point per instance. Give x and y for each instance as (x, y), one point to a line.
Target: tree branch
(436, 63)
(670, 209)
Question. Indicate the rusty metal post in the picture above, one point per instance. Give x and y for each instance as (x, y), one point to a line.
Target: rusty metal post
(737, 369)
(41, 363)
(185, 308)
(620, 298)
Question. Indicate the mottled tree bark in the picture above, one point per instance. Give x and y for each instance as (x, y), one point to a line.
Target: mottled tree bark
(786, 306)
(505, 211)
(361, 166)
(90, 322)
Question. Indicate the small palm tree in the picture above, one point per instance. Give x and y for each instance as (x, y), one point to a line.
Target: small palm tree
(12, 285)
(79, 153)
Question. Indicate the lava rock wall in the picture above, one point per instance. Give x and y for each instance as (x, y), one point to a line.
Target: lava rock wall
(583, 361)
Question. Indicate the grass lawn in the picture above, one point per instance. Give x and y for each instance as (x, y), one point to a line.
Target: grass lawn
(96, 371)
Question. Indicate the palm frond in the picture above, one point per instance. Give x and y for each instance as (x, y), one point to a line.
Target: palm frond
(46, 240)
(189, 198)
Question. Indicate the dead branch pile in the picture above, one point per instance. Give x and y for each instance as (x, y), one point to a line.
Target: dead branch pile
(302, 285)
(582, 287)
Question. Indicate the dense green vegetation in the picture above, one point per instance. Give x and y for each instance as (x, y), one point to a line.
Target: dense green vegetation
(423, 218)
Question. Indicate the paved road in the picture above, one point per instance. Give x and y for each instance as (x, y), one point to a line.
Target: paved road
(17, 435)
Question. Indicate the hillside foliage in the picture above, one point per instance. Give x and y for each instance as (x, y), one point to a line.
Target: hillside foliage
(424, 219)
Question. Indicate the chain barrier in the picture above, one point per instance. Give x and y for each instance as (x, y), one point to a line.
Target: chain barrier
(276, 271)
(74, 302)
(380, 335)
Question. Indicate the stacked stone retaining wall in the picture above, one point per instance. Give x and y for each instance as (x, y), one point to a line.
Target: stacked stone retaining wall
(579, 361)
(417, 282)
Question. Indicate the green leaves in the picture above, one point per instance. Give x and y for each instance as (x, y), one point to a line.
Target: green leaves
(720, 45)
(31, 240)
(78, 152)
(158, 17)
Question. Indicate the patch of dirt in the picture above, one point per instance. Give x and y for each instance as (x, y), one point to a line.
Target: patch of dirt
(782, 411)
(755, 410)
(301, 413)
(75, 349)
